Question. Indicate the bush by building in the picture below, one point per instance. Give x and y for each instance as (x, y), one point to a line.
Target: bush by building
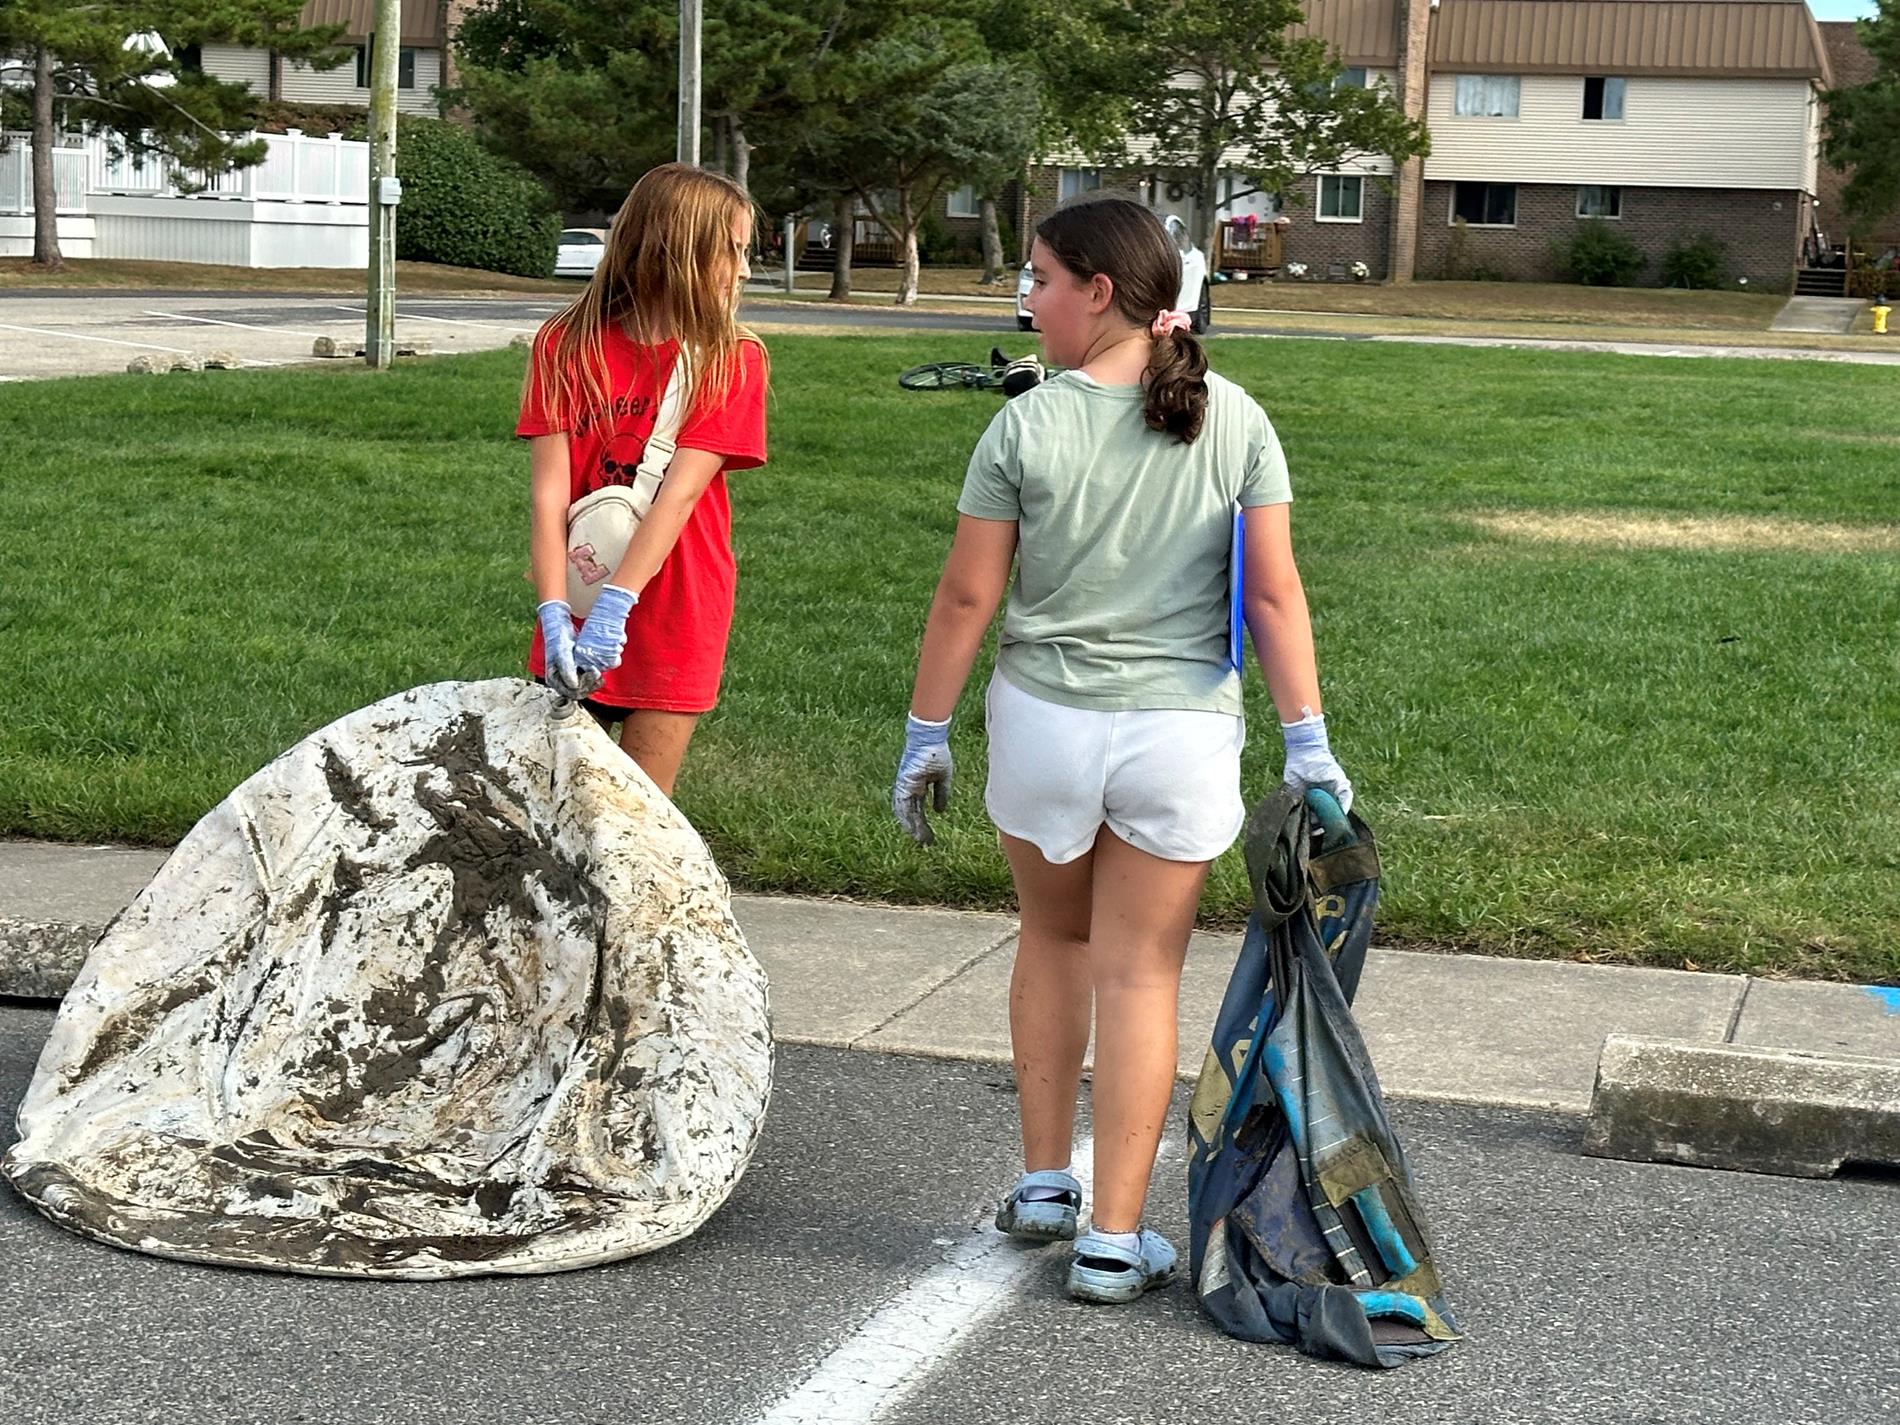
(464, 206)
(1598, 256)
(1694, 263)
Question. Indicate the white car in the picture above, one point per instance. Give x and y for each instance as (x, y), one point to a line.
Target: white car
(1192, 299)
(580, 251)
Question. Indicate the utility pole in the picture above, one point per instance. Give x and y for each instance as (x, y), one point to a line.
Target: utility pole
(689, 81)
(385, 190)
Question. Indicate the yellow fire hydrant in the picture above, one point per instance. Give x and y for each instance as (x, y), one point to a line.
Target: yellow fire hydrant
(1880, 318)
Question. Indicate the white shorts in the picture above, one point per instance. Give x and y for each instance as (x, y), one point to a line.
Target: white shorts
(1166, 781)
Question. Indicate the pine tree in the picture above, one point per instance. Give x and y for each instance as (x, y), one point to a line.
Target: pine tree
(1862, 127)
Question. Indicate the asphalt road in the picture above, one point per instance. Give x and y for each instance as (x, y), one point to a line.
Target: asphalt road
(45, 334)
(1591, 1291)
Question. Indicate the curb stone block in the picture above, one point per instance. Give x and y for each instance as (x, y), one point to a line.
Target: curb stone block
(329, 346)
(1739, 1106)
(40, 961)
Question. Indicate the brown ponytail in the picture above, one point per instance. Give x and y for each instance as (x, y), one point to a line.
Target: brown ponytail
(1120, 239)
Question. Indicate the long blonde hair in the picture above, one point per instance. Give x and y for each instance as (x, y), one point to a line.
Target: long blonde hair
(669, 267)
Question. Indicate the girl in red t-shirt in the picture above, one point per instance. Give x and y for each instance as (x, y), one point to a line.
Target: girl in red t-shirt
(668, 282)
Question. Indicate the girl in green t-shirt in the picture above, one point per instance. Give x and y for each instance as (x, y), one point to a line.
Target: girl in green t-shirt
(1114, 717)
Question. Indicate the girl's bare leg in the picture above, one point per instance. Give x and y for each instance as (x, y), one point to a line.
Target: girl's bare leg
(657, 741)
(1049, 998)
(1141, 916)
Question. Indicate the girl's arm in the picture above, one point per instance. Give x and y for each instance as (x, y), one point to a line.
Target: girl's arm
(974, 579)
(1276, 613)
(688, 474)
(547, 535)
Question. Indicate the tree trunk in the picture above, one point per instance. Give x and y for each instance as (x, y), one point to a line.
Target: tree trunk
(907, 285)
(741, 157)
(1210, 206)
(992, 242)
(45, 195)
(275, 86)
(720, 151)
(843, 226)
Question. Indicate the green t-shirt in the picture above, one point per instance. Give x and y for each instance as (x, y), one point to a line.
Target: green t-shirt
(1124, 537)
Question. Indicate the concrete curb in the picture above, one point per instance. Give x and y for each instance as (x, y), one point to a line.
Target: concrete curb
(1743, 1107)
(38, 960)
(932, 982)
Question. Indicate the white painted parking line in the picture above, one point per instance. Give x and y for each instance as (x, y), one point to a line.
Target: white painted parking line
(220, 322)
(450, 321)
(891, 1353)
(80, 336)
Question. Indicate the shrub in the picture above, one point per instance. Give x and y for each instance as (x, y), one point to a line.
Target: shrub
(1696, 263)
(1599, 256)
(463, 206)
(276, 116)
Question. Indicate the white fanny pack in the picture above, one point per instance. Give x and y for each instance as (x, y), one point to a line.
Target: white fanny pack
(600, 526)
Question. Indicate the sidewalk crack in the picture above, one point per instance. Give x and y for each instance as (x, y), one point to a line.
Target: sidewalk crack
(969, 964)
(1741, 1001)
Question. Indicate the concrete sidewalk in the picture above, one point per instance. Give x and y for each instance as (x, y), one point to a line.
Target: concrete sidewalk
(1459, 1028)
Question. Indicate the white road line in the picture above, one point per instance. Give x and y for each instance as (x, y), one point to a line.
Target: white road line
(220, 322)
(450, 321)
(907, 1337)
(109, 341)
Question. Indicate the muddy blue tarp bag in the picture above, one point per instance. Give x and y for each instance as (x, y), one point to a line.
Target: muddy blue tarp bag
(1305, 1229)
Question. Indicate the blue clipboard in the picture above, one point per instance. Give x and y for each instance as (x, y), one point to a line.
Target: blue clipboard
(1236, 600)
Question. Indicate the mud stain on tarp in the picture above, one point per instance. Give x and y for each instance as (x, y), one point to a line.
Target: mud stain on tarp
(492, 861)
(126, 1029)
(350, 795)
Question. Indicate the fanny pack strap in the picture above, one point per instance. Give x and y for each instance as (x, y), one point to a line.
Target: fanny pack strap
(664, 440)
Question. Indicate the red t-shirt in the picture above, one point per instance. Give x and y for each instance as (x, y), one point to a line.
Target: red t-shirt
(676, 635)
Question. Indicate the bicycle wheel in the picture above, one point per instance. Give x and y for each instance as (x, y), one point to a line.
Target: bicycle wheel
(942, 376)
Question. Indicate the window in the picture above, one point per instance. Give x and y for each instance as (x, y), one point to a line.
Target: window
(1485, 96)
(1079, 180)
(963, 203)
(191, 59)
(1353, 76)
(405, 66)
(1603, 98)
(1485, 205)
(1341, 199)
(1594, 201)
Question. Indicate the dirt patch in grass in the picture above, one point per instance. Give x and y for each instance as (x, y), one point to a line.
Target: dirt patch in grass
(1633, 531)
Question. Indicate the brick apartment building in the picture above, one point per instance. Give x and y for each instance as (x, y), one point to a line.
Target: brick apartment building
(1669, 119)
(1851, 65)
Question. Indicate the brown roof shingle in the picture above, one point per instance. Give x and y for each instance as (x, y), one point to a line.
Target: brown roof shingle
(1727, 38)
(421, 19)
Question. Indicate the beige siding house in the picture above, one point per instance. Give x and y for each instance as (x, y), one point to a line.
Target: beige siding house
(1668, 119)
(420, 65)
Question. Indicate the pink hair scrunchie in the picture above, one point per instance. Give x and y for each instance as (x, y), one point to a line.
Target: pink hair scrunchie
(1166, 321)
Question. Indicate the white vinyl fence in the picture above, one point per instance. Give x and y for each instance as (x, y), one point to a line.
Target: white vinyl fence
(296, 169)
(70, 176)
(305, 205)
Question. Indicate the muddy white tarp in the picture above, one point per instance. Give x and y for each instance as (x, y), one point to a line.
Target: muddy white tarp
(448, 988)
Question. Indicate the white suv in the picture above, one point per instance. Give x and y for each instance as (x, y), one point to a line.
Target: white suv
(1192, 299)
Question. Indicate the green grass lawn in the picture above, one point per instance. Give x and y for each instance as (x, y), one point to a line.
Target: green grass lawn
(1678, 754)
